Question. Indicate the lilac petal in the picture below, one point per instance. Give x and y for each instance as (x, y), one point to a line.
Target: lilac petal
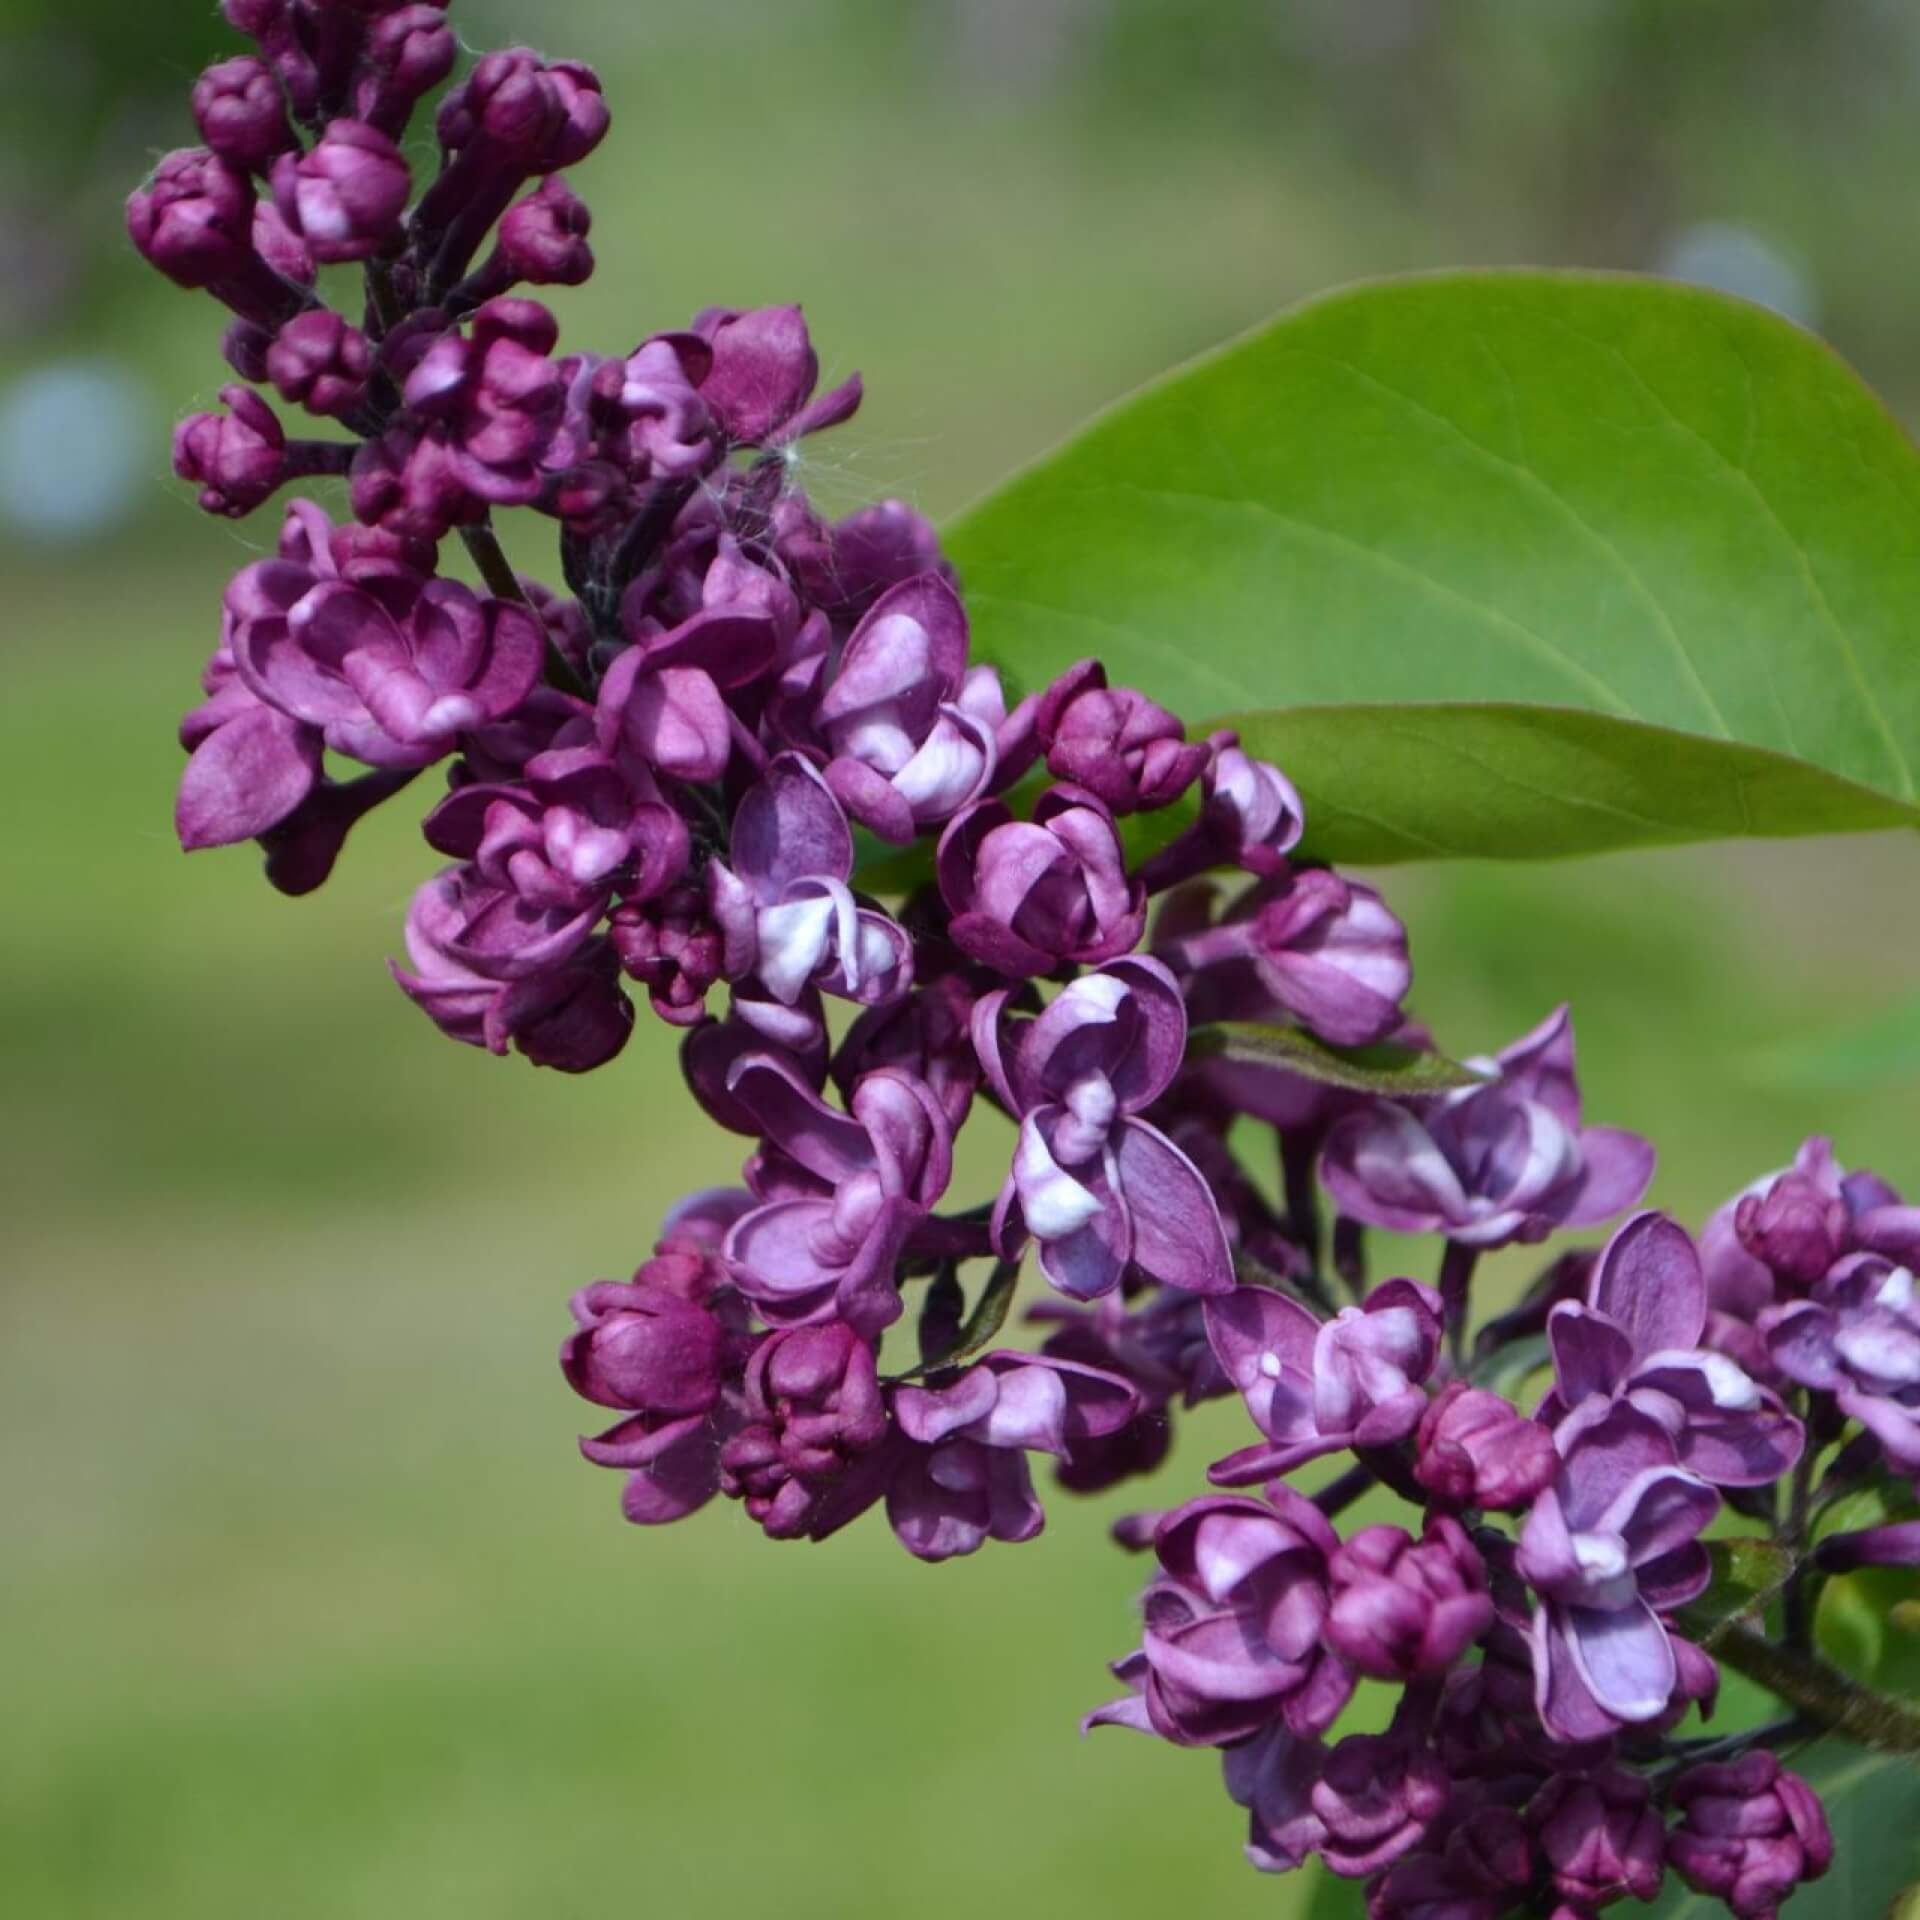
(1564, 1701)
(1649, 1282)
(770, 1253)
(1618, 1169)
(1897, 1428)
(1214, 1659)
(677, 1481)
(1014, 1510)
(871, 799)
(1675, 1578)
(1095, 1403)
(933, 1414)
(1178, 1237)
(1800, 1339)
(1251, 1466)
(1607, 1457)
(246, 776)
(1737, 1433)
(937, 1502)
(1625, 1660)
(789, 827)
(829, 1144)
(1264, 1343)
(1272, 1776)
(1539, 1067)
(1591, 1355)
(1547, 1558)
(1313, 1707)
(906, 656)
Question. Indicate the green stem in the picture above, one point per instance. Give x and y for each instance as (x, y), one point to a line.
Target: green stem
(1796, 1602)
(1456, 1285)
(1821, 1692)
(484, 544)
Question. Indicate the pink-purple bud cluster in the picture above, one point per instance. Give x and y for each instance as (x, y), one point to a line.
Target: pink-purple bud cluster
(658, 779)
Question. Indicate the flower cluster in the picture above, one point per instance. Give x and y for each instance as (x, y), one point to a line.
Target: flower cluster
(656, 780)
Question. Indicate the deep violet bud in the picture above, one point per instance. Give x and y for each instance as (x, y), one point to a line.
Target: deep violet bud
(500, 394)
(1029, 894)
(544, 116)
(1377, 1795)
(193, 219)
(237, 459)
(673, 948)
(543, 238)
(409, 52)
(1114, 741)
(1798, 1227)
(763, 374)
(1749, 1833)
(321, 362)
(345, 196)
(1476, 1449)
(645, 1348)
(242, 112)
(1249, 807)
(1406, 1610)
(1602, 1838)
(1485, 1865)
(1892, 1546)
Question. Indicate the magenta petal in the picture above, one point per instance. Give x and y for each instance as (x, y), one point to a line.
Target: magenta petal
(1649, 1282)
(1624, 1658)
(1565, 1702)
(677, 1481)
(1618, 1169)
(246, 776)
(1591, 1355)
(1178, 1238)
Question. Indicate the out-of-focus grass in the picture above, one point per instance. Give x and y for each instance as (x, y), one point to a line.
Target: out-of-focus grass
(307, 1605)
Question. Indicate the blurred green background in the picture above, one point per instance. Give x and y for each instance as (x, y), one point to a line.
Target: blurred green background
(307, 1606)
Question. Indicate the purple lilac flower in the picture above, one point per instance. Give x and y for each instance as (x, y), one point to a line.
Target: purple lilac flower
(1116, 743)
(345, 195)
(762, 376)
(1314, 1387)
(1608, 1548)
(242, 113)
(1858, 1338)
(1638, 1339)
(844, 1195)
(1027, 895)
(1487, 1165)
(1601, 1836)
(783, 905)
(1099, 1189)
(1477, 1449)
(322, 363)
(1750, 1833)
(1378, 1797)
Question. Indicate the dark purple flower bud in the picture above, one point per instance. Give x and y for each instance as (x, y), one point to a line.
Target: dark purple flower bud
(283, 250)
(1378, 1795)
(301, 849)
(242, 113)
(1602, 1838)
(1405, 1611)
(500, 396)
(644, 1348)
(1250, 817)
(763, 374)
(1315, 1387)
(543, 239)
(1891, 1546)
(865, 554)
(1235, 1625)
(1476, 1449)
(194, 219)
(409, 52)
(321, 362)
(651, 419)
(1115, 742)
(1100, 1189)
(409, 482)
(237, 459)
(1492, 1164)
(1027, 895)
(674, 949)
(1750, 1833)
(1799, 1227)
(344, 198)
(1609, 1548)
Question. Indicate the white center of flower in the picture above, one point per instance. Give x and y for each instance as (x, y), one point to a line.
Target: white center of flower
(1896, 1291)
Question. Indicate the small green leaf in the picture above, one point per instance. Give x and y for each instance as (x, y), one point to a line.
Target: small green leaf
(1537, 564)
(1387, 1069)
(1747, 1572)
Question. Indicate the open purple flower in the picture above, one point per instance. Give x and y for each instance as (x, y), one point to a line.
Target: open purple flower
(912, 732)
(1601, 1836)
(844, 1194)
(1638, 1339)
(1608, 1548)
(1487, 1165)
(1378, 1797)
(1235, 1625)
(784, 906)
(762, 376)
(1098, 1188)
(961, 1477)
(1315, 1387)
(1858, 1338)
(1029, 894)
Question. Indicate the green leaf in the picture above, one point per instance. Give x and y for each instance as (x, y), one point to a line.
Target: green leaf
(1383, 1069)
(1873, 1803)
(1508, 1368)
(1539, 564)
(1747, 1573)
